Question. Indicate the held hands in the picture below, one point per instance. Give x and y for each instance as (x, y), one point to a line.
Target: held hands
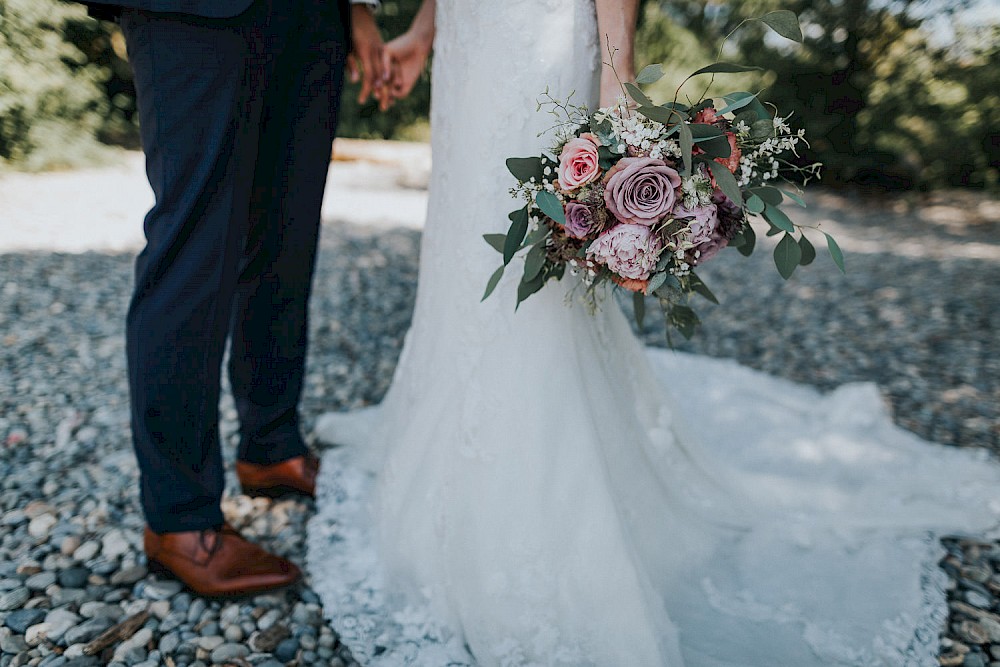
(365, 61)
(403, 61)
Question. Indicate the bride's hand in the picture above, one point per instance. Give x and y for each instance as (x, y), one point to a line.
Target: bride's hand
(404, 59)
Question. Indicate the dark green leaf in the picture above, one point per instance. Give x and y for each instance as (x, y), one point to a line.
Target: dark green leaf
(524, 168)
(493, 282)
(725, 68)
(659, 114)
(769, 194)
(808, 251)
(518, 228)
(551, 206)
(682, 109)
(650, 74)
(835, 252)
(527, 288)
(755, 204)
(726, 181)
(703, 131)
(736, 101)
(787, 255)
(684, 319)
(496, 240)
(778, 218)
(639, 307)
(534, 262)
(687, 143)
(715, 147)
(698, 286)
(785, 23)
(749, 240)
(637, 95)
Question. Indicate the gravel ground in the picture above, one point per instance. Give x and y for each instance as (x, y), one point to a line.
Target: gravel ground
(917, 313)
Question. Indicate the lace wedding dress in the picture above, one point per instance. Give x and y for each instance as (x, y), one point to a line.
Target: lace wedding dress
(539, 489)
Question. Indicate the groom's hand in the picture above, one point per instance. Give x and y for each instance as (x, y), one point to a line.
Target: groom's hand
(365, 62)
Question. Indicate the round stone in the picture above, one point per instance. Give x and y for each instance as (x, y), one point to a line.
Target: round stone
(227, 652)
(19, 621)
(40, 581)
(86, 551)
(286, 649)
(234, 633)
(74, 577)
(14, 599)
(162, 590)
(128, 575)
(40, 526)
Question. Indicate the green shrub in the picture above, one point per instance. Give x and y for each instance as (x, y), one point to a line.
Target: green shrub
(51, 102)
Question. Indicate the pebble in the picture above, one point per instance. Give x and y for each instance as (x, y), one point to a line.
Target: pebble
(162, 590)
(129, 575)
(40, 526)
(114, 544)
(286, 650)
(134, 646)
(59, 622)
(14, 599)
(84, 632)
(228, 652)
(86, 551)
(40, 581)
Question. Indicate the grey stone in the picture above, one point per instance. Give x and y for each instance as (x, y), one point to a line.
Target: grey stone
(161, 590)
(19, 621)
(86, 551)
(226, 652)
(286, 649)
(11, 643)
(59, 622)
(14, 599)
(88, 630)
(114, 544)
(974, 660)
(74, 577)
(129, 575)
(196, 610)
(210, 643)
(40, 581)
(169, 642)
(233, 633)
(173, 620)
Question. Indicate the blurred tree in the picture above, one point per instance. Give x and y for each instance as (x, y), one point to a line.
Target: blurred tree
(51, 103)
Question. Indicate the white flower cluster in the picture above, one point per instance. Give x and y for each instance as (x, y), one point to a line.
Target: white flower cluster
(762, 163)
(641, 133)
(696, 191)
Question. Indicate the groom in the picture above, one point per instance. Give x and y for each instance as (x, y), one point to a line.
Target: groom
(238, 107)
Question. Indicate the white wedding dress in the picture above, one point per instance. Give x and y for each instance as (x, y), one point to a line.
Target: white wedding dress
(539, 489)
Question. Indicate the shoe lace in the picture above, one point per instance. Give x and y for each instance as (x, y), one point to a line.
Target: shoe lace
(211, 538)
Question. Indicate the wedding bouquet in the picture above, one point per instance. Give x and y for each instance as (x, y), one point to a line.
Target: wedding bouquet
(642, 194)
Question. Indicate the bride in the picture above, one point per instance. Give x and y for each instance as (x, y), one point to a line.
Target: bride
(539, 489)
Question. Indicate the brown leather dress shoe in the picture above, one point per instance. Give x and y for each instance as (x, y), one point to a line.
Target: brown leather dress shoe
(296, 475)
(218, 562)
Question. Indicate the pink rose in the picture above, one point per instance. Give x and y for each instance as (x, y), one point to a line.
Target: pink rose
(629, 250)
(732, 163)
(706, 116)
(578, 162)
(640, 190)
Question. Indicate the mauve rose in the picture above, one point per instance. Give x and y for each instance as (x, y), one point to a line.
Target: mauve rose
(580, 220)
(702, 219)
(629, 250)
(640, 190)
(730, 221)
(578, 162)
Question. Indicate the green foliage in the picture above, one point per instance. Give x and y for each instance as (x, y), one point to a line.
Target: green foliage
(884, 104)
(51, 102)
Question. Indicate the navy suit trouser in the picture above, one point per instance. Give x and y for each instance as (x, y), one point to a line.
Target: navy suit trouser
(237, 118)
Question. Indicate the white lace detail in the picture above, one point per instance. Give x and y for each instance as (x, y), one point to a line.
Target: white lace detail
(538, 489)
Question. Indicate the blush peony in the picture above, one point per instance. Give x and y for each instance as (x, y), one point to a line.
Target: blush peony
(629, 250)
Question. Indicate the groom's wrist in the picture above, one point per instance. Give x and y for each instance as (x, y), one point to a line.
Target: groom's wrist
(374, 4)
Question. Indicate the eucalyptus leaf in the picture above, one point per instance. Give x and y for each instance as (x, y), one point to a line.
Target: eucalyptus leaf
(769, 194)
(835, 252)
(736, 101)
(687, 143)
(714, 147)
(525, 168)
(639, 308)
(778, 218)
(537, 236)
(659, 114)
(795, 198)
(808, 251)
(650, 74)
(699, 286)
(755, 204)
(703, 131)
(496, 240)
(656, 282)
(725, 68)
(528, 287)
(551, 206)
(534, 262)
(726, 181)
(749, 240)
(684, 319)
(787, 255)
(493, 282)
(518, 228)
(785, 23)
(636, 94)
